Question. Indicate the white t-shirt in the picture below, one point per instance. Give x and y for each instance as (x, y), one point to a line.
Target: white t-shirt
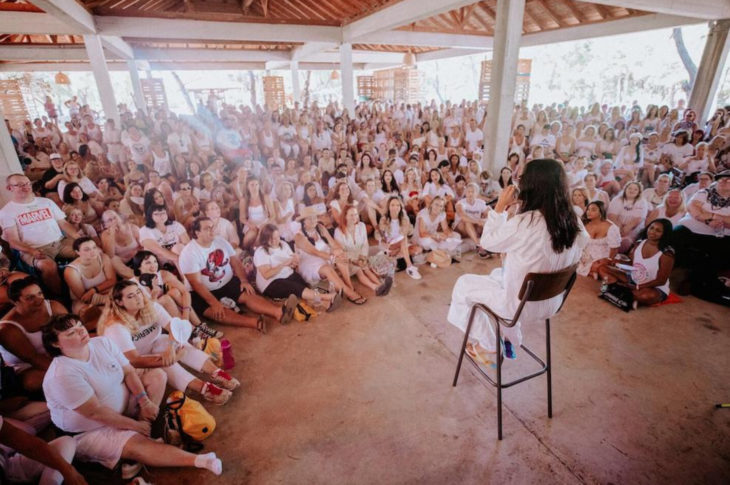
(678, 153)
(166, 240)
(272, 257)
(474, 139)
(474, 210)
(138, 149)
(699, 227)
(69, 383)
(143, 339)
(213, 263)
(36, 222)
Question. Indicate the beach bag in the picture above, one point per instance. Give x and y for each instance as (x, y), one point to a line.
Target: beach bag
(381, 264)
(618, 296)
(303, 312)
(439, 257)
(186, 421)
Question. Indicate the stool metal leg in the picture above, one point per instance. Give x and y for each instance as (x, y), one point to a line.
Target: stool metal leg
(499, 383)
(549, 369)
(463, 345)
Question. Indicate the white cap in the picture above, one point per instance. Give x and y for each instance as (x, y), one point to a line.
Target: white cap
(53, 156)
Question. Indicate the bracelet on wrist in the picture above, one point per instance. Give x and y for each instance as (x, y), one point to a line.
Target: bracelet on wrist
(140, 396)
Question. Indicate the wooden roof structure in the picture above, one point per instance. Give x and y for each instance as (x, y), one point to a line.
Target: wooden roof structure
(270, 34)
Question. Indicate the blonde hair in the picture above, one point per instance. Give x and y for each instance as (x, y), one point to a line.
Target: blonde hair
(114, 313)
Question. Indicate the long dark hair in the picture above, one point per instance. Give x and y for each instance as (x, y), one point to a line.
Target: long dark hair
(544, 188)
(665, 240)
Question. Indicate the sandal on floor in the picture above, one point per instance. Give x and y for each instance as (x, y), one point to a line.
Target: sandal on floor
(479, 356)
(287, 311)
(261, 325)
(361, 300)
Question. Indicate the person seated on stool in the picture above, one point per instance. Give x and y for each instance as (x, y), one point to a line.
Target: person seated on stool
(544, 236)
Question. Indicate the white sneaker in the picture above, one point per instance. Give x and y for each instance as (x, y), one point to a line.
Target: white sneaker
(412, 271)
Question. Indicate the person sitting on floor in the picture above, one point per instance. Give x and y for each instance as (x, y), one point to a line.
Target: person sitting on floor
(94, 392)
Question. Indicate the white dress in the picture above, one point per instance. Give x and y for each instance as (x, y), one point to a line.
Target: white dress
(527, 246)
(309, 264)
(425, 223)
(599, 248)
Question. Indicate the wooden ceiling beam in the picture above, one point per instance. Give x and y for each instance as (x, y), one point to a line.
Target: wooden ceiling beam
(397, 15)
(591, 30)
(488, 10)
(163, 28)
(550, 12)
(579, 16)
(700, 9)
(69, 12)
(602, 11)
(466, 14)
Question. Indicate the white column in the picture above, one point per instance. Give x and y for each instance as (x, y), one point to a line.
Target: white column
(294, 65)
(9, 162)
(95, 52)
(136, 86)
(506, 53)
(710, 69)
(348, 82)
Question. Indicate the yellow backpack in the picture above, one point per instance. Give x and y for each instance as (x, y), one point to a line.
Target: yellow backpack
(303, 312)
(187, 417)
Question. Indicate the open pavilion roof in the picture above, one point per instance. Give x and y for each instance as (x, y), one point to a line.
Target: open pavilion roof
(35, 34)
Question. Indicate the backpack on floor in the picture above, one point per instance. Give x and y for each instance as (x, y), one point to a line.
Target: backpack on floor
(186, 422)
(303, 312)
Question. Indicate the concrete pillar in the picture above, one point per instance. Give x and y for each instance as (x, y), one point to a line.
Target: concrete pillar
(348, 81)
(710, 69)
(506, 53)
(95, 52)
(136, 86)
(9, 162)
(295, 81)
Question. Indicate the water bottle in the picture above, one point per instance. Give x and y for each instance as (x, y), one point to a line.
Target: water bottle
(227, 351)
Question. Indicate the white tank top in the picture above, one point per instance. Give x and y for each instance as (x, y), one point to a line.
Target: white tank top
(35, 339)
(647, 269)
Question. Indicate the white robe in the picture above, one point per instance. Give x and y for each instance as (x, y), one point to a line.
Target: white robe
(527, 246)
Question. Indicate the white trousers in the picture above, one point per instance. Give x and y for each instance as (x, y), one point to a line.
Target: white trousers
(177, 376)
(470, 289)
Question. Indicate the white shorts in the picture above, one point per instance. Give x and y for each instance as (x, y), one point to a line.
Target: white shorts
(102, 445)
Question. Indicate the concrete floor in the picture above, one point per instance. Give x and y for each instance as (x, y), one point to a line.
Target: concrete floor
(364, 395)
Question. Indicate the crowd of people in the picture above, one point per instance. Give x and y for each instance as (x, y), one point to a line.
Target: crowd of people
(234, 215)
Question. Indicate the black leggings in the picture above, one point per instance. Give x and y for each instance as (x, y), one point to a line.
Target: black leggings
(293, 284)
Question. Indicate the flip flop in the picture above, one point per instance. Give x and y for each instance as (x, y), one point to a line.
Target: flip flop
(479, 357)
(358, 301)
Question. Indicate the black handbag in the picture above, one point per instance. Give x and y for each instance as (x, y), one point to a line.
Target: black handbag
(10, 384)
(619, 296)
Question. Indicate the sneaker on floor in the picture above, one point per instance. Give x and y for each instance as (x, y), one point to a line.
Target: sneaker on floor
(412, 271)
(215, 394)
(509, 350)
(384, 287)
(206, 330)
(224, 380)
(130, 470)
